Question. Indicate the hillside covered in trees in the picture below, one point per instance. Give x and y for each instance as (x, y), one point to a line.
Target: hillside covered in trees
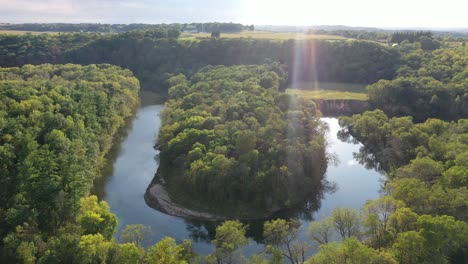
(57, 123)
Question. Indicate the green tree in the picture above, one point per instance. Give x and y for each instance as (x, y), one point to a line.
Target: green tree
(321, 231)
(93, 249)
(282, 235)
(96, 218)
(346, 222)
(230, 236)
(137, 234)
(129, 253)
(409, 247)
(349, 251)
(166, 251)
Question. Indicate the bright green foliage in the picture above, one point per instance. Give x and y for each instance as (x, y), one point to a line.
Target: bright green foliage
(93, 249)
(241, 148)
(403, 220)
(57, 123)
(167, 251)
(96, 218)
(346, 222)
(349, 251)
(26, 252)
(229, 237)
(129, 253)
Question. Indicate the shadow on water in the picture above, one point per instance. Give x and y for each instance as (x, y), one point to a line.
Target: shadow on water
(204, 231)
(107, 171)
(133, 162)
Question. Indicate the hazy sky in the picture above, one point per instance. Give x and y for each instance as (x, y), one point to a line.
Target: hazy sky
(373, 13)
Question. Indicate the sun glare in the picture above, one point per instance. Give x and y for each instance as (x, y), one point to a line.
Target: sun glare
(292, 12)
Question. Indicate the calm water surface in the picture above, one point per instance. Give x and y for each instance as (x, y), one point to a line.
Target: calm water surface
(133, 163)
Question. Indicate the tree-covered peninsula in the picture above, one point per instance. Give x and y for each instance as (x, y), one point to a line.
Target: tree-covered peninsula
(232, 144)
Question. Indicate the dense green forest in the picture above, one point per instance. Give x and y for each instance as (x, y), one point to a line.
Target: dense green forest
(423, 216)
(233, 141)
(230, 140)
(153, 58)
(57, 123)
(427, 84)
(415, 79)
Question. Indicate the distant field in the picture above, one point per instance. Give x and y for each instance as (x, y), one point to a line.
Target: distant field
(347, 87)
(21, 32)
(264, 35)
(328, 94)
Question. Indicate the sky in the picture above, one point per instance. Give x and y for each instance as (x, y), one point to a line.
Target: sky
(368, 13)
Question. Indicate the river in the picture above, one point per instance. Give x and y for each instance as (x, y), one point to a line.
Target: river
(133, 163)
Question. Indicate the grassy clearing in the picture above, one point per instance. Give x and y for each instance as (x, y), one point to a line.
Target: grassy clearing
(264, 35)
(21, 32)
(328, 94)
(346, 87)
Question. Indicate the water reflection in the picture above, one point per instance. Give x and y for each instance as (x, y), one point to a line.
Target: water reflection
(132, 166)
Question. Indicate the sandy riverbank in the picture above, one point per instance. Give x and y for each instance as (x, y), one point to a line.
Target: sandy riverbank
(157, 197)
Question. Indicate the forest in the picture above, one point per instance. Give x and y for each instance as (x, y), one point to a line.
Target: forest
(228, 136)
(118, 28)
(57, 124)
(231, 138)
(153, 58)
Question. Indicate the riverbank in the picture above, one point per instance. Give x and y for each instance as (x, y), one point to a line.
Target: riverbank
(157, 198)
(340, 107)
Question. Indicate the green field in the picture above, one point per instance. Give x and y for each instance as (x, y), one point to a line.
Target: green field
(335, 86)
(328, 94)
(264, 35)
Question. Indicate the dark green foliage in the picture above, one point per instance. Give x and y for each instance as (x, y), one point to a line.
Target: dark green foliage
(215, 34)
(154, 55)
(410, 36)
(56, 125)
(231, 143)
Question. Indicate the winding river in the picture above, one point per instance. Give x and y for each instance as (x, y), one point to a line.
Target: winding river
(133, 163)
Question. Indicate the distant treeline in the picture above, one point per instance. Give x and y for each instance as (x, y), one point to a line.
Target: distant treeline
(154, 57)
(399, 37)
(117, 28)
(356, 34)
